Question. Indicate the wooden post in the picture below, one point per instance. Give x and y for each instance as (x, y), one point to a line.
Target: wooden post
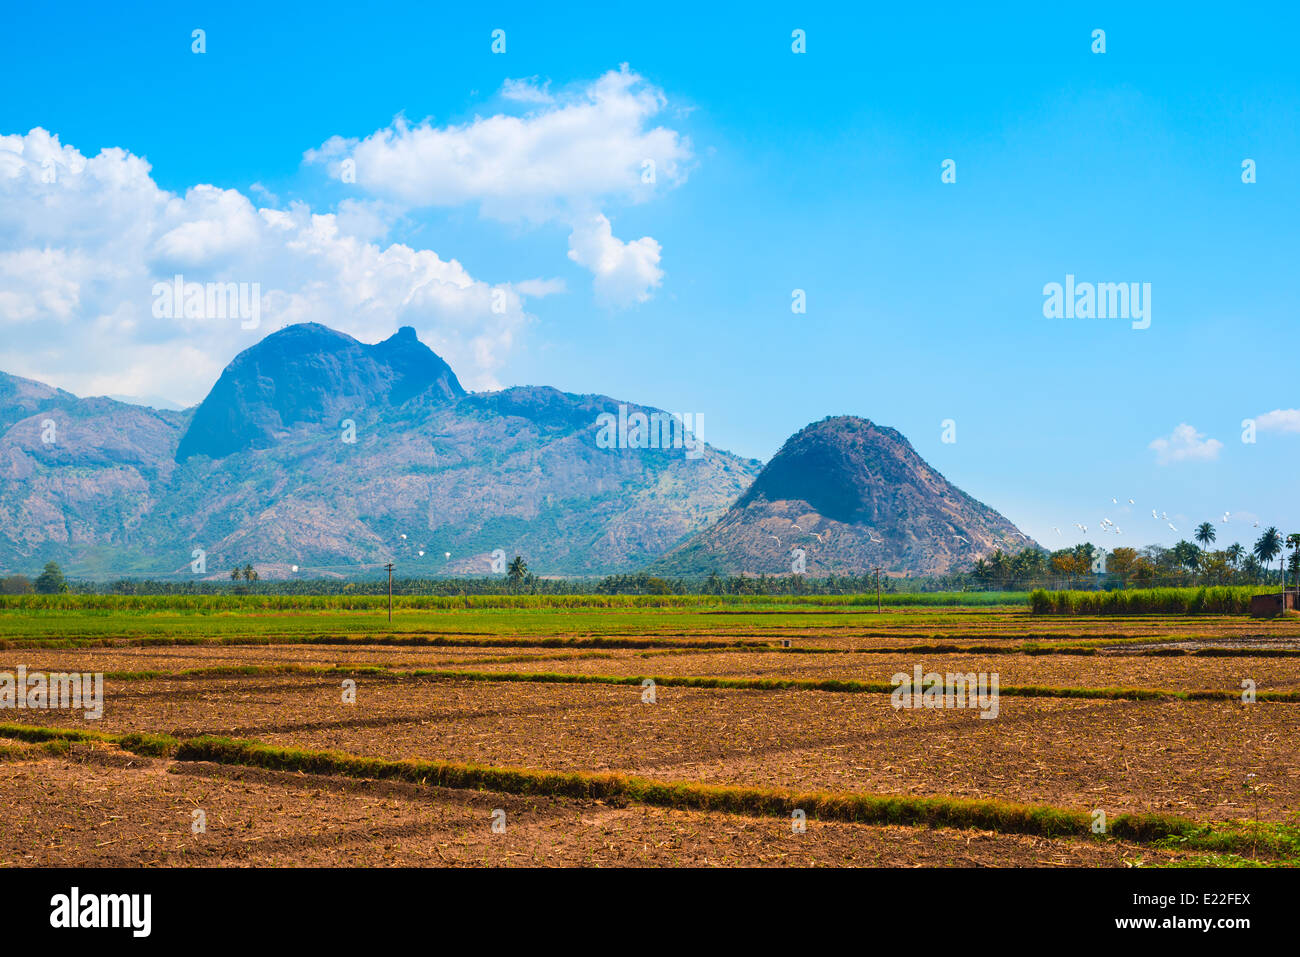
(390, 593)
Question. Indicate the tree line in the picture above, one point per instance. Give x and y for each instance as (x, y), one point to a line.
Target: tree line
(1186, 563)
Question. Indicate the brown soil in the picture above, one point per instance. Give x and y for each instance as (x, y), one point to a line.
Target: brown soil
(1183, 757)
(102, 806)
(106, 809)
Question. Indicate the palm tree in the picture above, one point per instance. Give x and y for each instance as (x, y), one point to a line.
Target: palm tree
(1001, 567)
(1268, 546)
(1186, 554)
(1204, 534)
(516, 571)
(1293, 540)
(1233, 554)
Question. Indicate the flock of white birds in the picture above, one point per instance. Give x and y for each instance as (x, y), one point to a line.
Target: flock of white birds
(1110, 527)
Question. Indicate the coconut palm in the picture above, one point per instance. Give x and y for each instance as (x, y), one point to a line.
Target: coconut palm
(1235, 553)
(1204, 534)
(517, 571)
(1269, 545)
(1186, 554)
(1001, 564)
(1293, 541)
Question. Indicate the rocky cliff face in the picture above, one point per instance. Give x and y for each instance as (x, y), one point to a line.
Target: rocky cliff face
(308, 374)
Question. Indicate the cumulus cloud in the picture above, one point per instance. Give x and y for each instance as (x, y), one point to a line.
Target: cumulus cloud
(84, 240)
(625, 273)
(564, 161)
(1185, 444)
(1279, 420)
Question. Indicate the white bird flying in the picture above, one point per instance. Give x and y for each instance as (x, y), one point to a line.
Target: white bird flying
(1171, 527)
(1154, 515)
(1131, 502)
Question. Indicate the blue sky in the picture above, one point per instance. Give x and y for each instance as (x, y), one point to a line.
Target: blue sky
(818, 171)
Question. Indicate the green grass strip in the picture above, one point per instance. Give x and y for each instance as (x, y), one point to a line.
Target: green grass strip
(992, 815)
(153, 745)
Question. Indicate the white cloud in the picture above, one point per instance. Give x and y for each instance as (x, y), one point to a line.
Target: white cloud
(366, 219)
(578, 152)
(527, 90)
(626, 273)
(584, 148)
(84, 240)
(1279, 420)
(1185, 444)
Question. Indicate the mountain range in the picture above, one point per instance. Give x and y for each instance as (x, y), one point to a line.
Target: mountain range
(318, 451)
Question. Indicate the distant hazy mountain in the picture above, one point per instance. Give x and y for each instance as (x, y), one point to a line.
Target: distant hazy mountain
(849, 495)
(317, 450)
(77, 476)
(149, 401)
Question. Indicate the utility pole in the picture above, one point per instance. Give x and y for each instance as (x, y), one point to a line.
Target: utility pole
(390, 593)
(878, 607)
